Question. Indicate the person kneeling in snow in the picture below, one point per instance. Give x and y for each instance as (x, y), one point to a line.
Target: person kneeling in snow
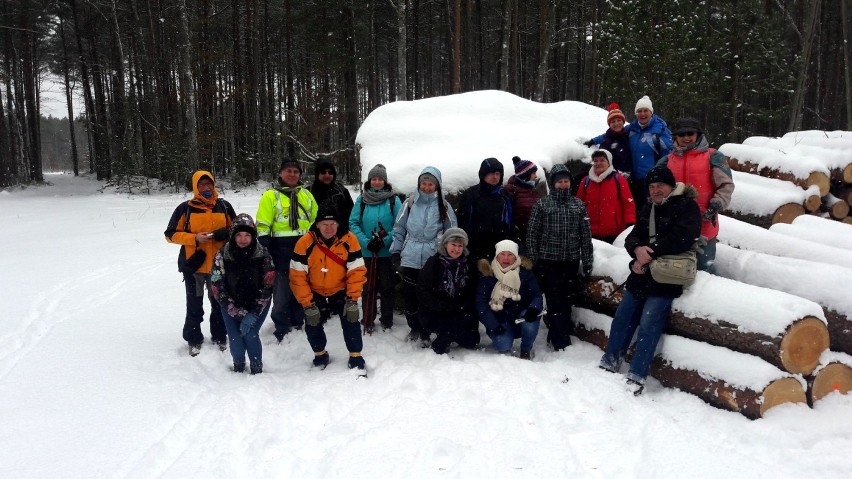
(509, 300)
(646, 303)
(446, 289)
(243, 277)
(327, 275)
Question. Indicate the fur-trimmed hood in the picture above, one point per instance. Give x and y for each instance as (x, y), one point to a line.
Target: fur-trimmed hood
(484, 266)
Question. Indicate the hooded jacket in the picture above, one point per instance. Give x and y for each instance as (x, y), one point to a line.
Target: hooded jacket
(648, 144)
(244, 284)
(608, 201)
(198, 215)
(678, 225)
(707, 171)
(418, 225)
(335, 192)
(485, 212)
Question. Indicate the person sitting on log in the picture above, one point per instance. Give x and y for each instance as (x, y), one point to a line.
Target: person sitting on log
(646, 303)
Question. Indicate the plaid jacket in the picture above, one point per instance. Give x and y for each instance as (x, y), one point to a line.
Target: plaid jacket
(559, 229)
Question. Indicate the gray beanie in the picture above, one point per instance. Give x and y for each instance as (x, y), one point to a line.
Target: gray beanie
(449, 235)
(378, 171)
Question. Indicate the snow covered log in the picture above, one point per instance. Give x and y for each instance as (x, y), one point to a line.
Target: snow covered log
(834, 153)
(770, 163)
(784, 330)
(833, 374)
(753, 238)
(766, 201)
(825, 284)
(821, 230)
(835, 207)
(843, 192)
(720, 377)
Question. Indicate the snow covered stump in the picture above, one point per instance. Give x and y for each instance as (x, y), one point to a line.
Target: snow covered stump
(720, 377)
(833, 374)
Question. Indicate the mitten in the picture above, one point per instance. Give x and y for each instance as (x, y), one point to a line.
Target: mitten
(247, 323)
(353, 313)
(312, 315)
(222, 234)
(589, 143)
(396, 262)
(710, 213)
(531, 314)
(375, 245)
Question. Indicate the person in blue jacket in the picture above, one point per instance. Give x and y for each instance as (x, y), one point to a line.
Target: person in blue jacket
(508, 299)
(650, 140)
(424, 217)
(371, 221)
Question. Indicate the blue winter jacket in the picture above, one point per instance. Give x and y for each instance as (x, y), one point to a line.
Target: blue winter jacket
(512, 310)
(363, 226)
(648, 144)
(419, 224)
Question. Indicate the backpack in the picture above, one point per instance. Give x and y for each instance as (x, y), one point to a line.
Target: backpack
(617, 184)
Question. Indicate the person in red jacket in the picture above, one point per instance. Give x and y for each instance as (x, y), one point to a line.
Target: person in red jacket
(694, 163)
(608, 199)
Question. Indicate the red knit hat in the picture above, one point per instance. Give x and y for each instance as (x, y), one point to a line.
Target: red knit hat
(614, 112)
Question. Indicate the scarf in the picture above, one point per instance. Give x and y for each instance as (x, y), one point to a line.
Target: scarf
(508, 283)
(598, 178)
(454, 275)
(293, 194)
(375, 197)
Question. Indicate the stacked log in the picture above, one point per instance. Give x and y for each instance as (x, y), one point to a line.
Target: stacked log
(739, 234)
(833, 374)
(835, 207)
(823, 284)
(834, 153)
(767, 162)
(818, 229)
(722, 378)
(766, 201)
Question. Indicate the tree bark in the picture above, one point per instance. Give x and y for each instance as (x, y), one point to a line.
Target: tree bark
(456, 69)
(75, 160)
(187, 86)
(800, 89)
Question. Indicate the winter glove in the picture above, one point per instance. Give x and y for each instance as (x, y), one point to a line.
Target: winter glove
(396, 262)
(353, 313)
(222, 234)
(312, 315)
(247, 323)
(531, 314)
(375, 245)
(235, 312)
(589, 143)
(195, 261)
(710, 213)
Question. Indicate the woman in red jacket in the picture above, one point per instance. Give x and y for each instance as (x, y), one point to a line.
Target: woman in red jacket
(607, 197)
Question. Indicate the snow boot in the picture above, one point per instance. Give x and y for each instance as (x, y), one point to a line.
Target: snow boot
(357, 362)
(321, 359)
(635, 387)
(526, 355)
(608, 365)
(239, 367)
(194, 349)
(223, 345)
(256, 368)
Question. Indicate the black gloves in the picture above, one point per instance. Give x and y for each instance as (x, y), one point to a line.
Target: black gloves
(710, 213)
(589, 143)
(375, 245)
(396, 262)
(531, 314)
(222, 234)
(195, 261)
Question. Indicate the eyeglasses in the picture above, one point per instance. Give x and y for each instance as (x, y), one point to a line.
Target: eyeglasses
(687, 133)
(326, 172)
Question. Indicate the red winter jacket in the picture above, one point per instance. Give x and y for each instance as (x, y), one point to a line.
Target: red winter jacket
(608, 201)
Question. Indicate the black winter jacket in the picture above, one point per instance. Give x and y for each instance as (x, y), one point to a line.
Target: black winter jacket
(485, 213)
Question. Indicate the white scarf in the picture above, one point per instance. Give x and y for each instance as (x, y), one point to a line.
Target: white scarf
(508, 283)
(598, 178)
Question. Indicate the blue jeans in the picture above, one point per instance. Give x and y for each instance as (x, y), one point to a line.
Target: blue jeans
(286, 311)
(526, 330)
(706, 259)
(250, 343)
(329, 305)
(650, 316)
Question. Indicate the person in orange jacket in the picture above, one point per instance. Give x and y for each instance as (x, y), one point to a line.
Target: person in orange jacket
(200, 226)
(327, 275)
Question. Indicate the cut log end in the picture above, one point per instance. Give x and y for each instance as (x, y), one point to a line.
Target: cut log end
(804, 342)
(787, 213)
(821, 180)
(848, 220)
(847, 173)
(834, 377)
(782, 391)
(812, 203)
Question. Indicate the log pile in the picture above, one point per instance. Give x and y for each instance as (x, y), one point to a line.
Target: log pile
(833, 374)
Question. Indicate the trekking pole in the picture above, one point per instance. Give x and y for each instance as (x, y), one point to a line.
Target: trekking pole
(370, 309)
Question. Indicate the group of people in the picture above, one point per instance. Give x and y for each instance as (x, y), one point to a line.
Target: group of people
(508, 257)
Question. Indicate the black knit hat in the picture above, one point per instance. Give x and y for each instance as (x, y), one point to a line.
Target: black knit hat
(327, 211)
(290, 162)
(687, 125)
(325, 166)
(490, 165)
(660, 174)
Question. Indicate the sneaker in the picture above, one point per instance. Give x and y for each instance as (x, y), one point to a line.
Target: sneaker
(321, 361)
(223, 345)
(526, 355)
(194, 349)
(635, 387)
(239, 367)
(356, 362)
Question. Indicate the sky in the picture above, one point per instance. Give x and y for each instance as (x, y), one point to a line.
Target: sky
(97, 382)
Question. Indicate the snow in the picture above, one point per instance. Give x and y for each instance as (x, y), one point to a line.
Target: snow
(821, 230)
(834, 153)
(762, 196)
(799, 165)
(96, 381)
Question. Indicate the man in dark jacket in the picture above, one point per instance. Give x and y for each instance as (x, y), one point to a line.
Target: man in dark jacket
(646, 303)
(485, 211)
(326, 187)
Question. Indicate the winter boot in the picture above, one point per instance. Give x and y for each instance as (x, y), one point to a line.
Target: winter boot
(223, 345)
(256, 368)
(356, 362)
(635, 387)
(194, 349)
(526, 355)
(414, 335)
(321, 359)
(608, 365)
(239, 367)
(386, 324)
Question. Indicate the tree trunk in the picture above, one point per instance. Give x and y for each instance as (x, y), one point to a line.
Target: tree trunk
(30, 78)
(505, 51)
(798, 100)
(401, 8)
(835, 207)
(456, 69)
(546, 32)
(744, 158)
(75, 160)
(847, 76)
(187, 87)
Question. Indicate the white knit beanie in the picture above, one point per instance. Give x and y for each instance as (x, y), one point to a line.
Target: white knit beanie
(506, 245)
(644, 102)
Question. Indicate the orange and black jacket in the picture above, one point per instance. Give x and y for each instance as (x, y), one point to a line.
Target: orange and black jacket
(200, 214)
(311, 270)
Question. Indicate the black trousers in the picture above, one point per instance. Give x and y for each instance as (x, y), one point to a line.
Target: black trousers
(195, 311)
(461, 328)
(558, 281)
(409, 291)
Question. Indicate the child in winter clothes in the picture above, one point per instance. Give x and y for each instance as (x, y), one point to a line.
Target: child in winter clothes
(616, 140)
(607, 197)
(327, 275)
(524, 189)
(446, 289)
(424, 216)
(508, 299)
(243, 277)
(371, 222)
(559, 239)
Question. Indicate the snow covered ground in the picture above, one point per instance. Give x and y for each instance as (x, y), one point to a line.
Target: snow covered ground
(95, 381)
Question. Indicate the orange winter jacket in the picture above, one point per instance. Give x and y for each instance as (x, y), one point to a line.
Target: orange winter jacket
(311, 270)
(211, 215)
